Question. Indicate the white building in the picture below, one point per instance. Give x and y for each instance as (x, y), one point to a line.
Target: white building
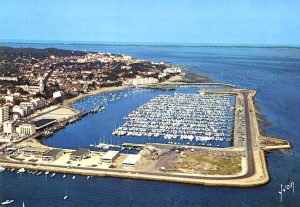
(8, 127)
(57, 94)
(26, 129)
(172, 70)
(9, 98)
(131, 160)
(8, 78)
(26, 104)
(142, 81)
(110, 156)
(19, 110)
(4, 114)
(39, 103)
(35, 88)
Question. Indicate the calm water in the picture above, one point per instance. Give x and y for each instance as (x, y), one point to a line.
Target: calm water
(274, 73)
(105, 122)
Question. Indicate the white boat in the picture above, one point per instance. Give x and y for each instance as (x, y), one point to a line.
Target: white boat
(39, 173)
(21, 170)
(74, 177)
(66, 197)
(23, 205)
(47, 172)
(2, 169)
(64, 176)
(52, 175)
(7, 202)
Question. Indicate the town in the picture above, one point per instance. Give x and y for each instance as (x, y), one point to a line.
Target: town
(34, 80)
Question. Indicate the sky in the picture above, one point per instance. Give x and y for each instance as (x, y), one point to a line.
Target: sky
(157, 21)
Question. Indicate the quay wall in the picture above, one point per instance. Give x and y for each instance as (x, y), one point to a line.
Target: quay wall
(235, 182)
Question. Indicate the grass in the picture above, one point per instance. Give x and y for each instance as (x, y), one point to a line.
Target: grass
(210, 164)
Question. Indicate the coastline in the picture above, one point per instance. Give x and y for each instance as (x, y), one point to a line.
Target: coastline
(146, 44)
(258, 176)
(174, 80)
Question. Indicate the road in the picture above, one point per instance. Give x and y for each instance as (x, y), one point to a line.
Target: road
(250, 137)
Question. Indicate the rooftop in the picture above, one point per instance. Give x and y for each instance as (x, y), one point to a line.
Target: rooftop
(32, 149)
(53, 152)
(110, 155)
(43, 123)
(131, 159)
(80, 152)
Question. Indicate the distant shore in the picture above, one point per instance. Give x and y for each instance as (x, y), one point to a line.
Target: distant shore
(142, 44)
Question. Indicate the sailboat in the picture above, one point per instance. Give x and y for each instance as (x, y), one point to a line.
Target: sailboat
(7, 202)
(23, 204)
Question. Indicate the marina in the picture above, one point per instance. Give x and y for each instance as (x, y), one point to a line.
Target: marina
(192, 115)
(132, 191)
(118, 105)
(185, 116)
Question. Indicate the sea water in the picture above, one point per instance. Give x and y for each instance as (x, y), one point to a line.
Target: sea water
(273, 72)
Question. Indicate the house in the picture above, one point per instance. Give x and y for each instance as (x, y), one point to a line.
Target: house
(28, 151)
(52, 155)
(80, 154)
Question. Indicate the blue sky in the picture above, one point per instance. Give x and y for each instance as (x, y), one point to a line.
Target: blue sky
(165, 21)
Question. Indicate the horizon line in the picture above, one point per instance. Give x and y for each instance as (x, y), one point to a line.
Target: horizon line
(146, 44)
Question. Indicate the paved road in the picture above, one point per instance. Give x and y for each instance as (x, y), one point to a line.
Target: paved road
(249, 137)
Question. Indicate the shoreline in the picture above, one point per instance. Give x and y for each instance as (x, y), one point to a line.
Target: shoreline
(141, 44)
(256, 171)
(68, 102)
(180, 81)
(257, 176)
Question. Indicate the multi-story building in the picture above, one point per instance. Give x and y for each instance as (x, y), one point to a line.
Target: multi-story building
(26, 104)
(26, 129)
(142, 81)
(8, 127)
(4, 113)
(39, 103)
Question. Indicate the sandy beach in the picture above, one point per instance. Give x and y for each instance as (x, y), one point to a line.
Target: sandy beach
(94, 92)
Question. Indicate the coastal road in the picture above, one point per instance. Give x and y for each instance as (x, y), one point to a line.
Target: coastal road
(249, 136)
